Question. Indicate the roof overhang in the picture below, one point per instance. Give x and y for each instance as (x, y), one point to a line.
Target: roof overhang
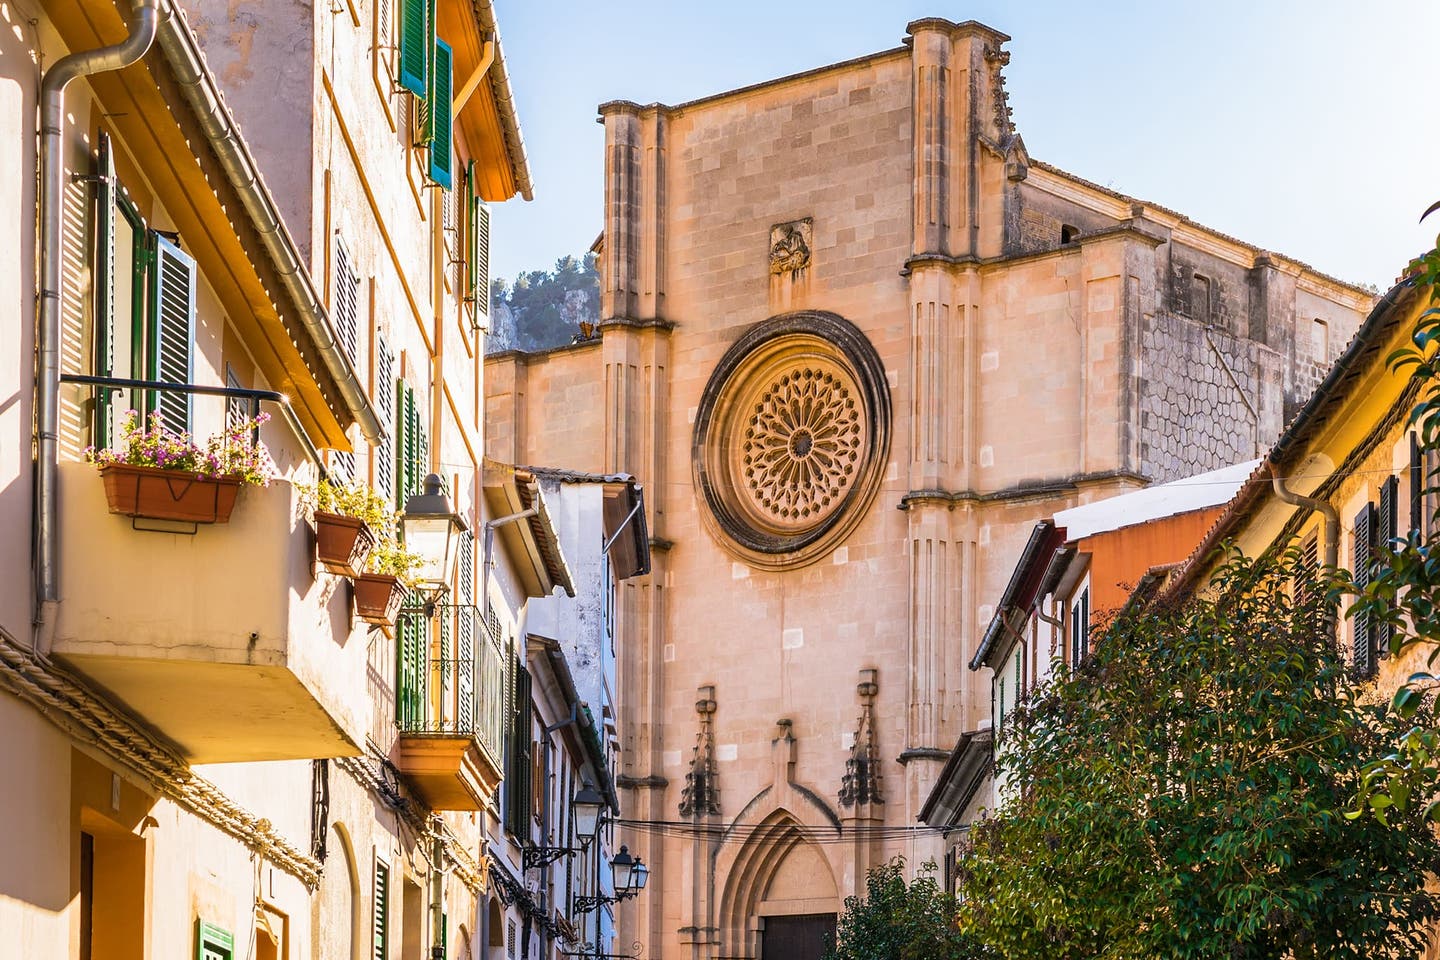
(622, 516)
(960, 779)
(1020, 591)
(531, 541)
(164, 149)
(544, 650)
(486, 120)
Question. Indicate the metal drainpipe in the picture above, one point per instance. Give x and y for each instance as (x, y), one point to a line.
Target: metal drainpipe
(144, 19)
(1331, 515)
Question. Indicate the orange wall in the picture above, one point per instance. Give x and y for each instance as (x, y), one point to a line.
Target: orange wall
(1119, 558)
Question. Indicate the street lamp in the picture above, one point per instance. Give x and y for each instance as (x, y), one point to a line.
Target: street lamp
(430, 529)
(588, 806)
(629, 874)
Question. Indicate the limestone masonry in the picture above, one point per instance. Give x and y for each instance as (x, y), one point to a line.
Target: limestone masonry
(855, 341)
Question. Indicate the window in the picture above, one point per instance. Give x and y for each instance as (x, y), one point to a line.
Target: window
(380, 923)
(213, 943)
(1069, 233)
(1200, 299)
(1079, 628)
(438, 118)
(1362, 633)
(417, 34)
(412, 445)
(412, 644)
(144, 306)
(1320, 340)
(345, 302)
(517, 761)
(384, 393)
(477, 251)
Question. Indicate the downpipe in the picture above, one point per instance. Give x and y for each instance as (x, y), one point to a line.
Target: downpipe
(143, 22)
(1323, 507)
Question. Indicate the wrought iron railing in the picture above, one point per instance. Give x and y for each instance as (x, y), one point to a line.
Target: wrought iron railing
(461, 692)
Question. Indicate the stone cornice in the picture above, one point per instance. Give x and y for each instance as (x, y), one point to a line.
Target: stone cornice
(952, 498)
(651, 782)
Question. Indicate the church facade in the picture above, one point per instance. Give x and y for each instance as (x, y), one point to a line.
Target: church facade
(855, 342)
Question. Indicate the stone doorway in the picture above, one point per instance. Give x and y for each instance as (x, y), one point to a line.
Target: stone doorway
(808, 936)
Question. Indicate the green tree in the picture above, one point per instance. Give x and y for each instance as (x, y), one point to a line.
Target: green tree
(1183, 794)
(547, 307)
(897, 920)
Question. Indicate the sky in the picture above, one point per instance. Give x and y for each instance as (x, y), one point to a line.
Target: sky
(1306, 128)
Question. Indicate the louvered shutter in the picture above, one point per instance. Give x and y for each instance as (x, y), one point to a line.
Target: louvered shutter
(385, 401)
(517, 793)
(106, 425)
(1385, 537)
(447, 671)
(1417, 486)
(172, 330)
(380, 922)
(465, 636)
(480, 273)
(346, 302)
(1308, 569)
(409, 673)
(417, 26)
(414, 445)
(438, 117)
(1364, 639)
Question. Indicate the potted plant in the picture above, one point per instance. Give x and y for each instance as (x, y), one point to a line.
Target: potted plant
(348, 522)
(381, 589)
(159, 474)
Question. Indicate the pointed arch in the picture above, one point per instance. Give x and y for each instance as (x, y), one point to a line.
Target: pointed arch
(779, 850)
(338, 902)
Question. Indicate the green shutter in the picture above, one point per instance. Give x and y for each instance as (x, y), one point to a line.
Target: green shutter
(172, 330)
(417, 28)
(438, 117)
(380, 922)
(105, 430)
(412, 445)
(410, 672)
(517, 772)
(213, 943)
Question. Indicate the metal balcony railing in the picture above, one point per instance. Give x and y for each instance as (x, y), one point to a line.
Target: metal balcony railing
(463, 693)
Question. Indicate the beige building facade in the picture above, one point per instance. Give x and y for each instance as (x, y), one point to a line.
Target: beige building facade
(209, 752)
(856, 342)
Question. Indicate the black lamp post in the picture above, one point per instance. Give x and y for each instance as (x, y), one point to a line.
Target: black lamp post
(629, 875)
(587, 807)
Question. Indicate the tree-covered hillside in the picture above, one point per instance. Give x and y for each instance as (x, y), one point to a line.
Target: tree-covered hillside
(544, 308)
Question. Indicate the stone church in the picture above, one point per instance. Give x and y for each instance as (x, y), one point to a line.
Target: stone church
(855, 341)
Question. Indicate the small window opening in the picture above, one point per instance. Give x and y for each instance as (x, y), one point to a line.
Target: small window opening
(1069, 233)
(1200, 299)
(1320, 332)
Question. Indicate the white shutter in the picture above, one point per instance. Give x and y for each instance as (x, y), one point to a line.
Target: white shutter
(172, 330)
(346, 302)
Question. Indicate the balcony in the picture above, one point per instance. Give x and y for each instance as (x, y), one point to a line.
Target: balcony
(451, 718)
(224, 641)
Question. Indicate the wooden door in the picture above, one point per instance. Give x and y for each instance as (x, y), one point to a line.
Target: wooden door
(803, 937)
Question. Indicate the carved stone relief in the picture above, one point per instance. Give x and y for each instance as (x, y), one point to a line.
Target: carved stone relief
(790, 246)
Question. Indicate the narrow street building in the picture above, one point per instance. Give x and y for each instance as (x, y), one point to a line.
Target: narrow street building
(857, 342)
(215, 745)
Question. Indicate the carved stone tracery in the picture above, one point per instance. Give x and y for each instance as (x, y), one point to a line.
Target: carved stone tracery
(701, 794)
(791, 438)
(862, 782)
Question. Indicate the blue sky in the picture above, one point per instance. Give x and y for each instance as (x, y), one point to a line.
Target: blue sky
(1303, 127)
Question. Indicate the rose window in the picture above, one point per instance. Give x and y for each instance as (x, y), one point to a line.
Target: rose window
(802, 444)
(790, 439)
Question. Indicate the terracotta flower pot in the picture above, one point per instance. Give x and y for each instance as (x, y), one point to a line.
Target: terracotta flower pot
(342, 543)
(378, 598)
(156, 494)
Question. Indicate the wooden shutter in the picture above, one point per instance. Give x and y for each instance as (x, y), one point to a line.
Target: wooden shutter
(172, 330)
(1385, 538)
(517, 770)
(417, 30)
(1363, 635)
(380, 922)
(465, 636)
(1308, 569)
(413, 445)
(345, 303)
(438, 116)
(1417, 486)
(106, 427)
(385, 403)
(410, 673)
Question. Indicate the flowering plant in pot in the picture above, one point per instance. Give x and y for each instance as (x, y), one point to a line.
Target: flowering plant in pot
(159, 474)
(389, 575)
(349, 520)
